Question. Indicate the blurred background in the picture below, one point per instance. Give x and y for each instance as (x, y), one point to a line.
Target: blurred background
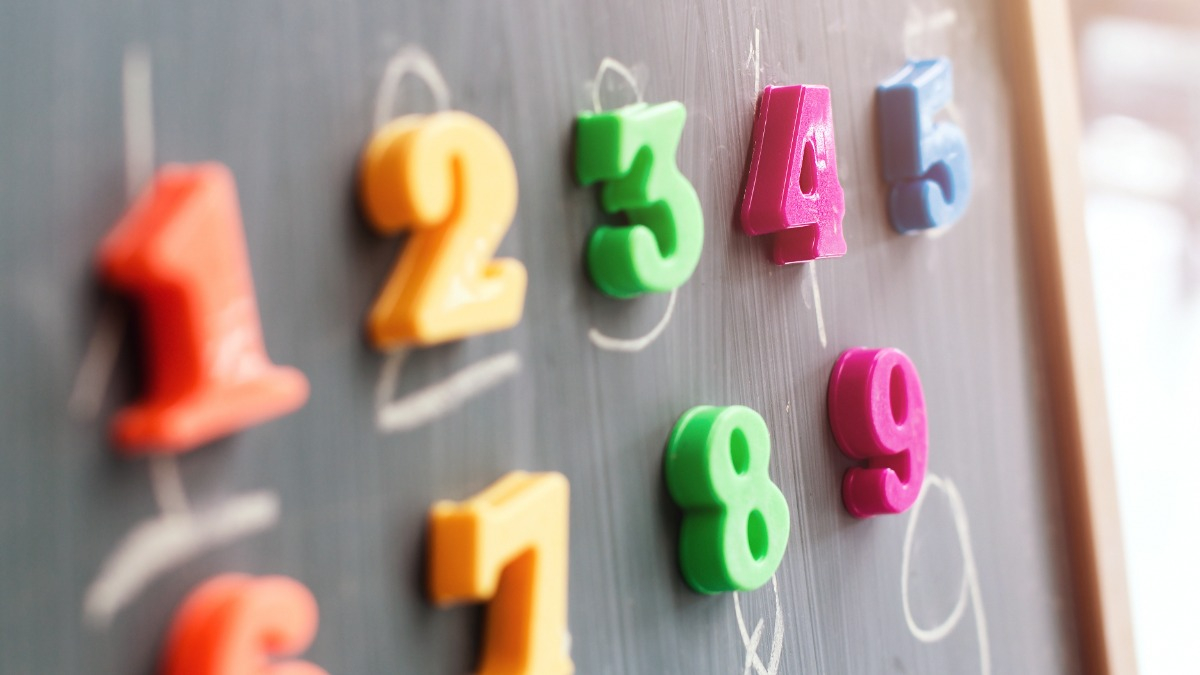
(1140, 71)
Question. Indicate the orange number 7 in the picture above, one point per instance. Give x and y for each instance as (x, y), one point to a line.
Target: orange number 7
(449, 177)
(508, 545)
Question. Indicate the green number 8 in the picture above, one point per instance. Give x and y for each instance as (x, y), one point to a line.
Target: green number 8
(736, 521)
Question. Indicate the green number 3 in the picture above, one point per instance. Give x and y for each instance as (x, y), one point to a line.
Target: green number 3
(736, 522)
(632, 149)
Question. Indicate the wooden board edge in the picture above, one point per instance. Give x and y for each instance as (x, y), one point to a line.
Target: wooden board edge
(1045, 86)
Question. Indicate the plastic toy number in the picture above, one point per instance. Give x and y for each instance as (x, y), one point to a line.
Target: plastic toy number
(736, 521)
(877, 411)
(508, 546)
(239, 625)
(449, 177)
(181, 252)
(927, 164)
(632, 149)
(792, 189)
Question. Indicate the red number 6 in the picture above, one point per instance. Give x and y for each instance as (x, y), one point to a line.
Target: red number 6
(237, 625)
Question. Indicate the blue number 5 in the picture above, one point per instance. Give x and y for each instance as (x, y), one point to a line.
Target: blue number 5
(927, 164)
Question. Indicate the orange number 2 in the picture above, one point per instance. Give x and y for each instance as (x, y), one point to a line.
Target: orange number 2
(450, 177)
(508, 545)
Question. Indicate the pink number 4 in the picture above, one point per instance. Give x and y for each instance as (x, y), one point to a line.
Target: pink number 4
(792, 190)
(877, 411)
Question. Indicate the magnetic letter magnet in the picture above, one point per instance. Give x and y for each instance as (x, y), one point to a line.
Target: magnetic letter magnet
(792, 190)
(508, 546)
(239, 625)
(632, 151)
(877, 411)
(735, 520)
(927, 164)
(181, 252)
(450, 178)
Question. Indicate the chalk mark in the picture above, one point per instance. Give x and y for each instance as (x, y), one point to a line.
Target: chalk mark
(752, 648)
(137, 110)
(751, 641)
(408, 60)
(137, 104)
(969, 587)
(137, 101)
(609, 64)
(614, 344)
(167, 484)
(917, 25)
(96, 366)
(932, 232)
(437, 399)
(757, 63)
(156, 545)
(817, 309)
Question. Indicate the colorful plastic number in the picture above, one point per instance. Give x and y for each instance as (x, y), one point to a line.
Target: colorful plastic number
(181, 252)
(449, 177)
(792, 189)
(632, 149)
(239, 625)
(736, 521)
(927, 164)
(877, 411)
(508, 546)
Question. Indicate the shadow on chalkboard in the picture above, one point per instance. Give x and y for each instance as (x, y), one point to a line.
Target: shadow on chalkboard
(670, 519)
(121, 382)
(125, 381)
(370, 255)
(735, 220)
(597, 216)
(735, 217)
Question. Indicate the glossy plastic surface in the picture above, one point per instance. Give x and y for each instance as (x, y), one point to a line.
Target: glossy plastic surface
(507, 546)
(450, 178)
(926, 162)
(239, 625)
(792, 188)
(735, 520)
(181, 253)
(632, 150)
(877, 411)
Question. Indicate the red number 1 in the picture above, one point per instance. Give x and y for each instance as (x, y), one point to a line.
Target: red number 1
(180, 251)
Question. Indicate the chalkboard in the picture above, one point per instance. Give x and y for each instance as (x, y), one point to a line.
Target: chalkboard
(977, 577)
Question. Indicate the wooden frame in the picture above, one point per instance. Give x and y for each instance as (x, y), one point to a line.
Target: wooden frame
(1185, 12)
(1045, 83)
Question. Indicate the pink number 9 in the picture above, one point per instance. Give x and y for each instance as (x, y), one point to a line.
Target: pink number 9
(877, 411)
